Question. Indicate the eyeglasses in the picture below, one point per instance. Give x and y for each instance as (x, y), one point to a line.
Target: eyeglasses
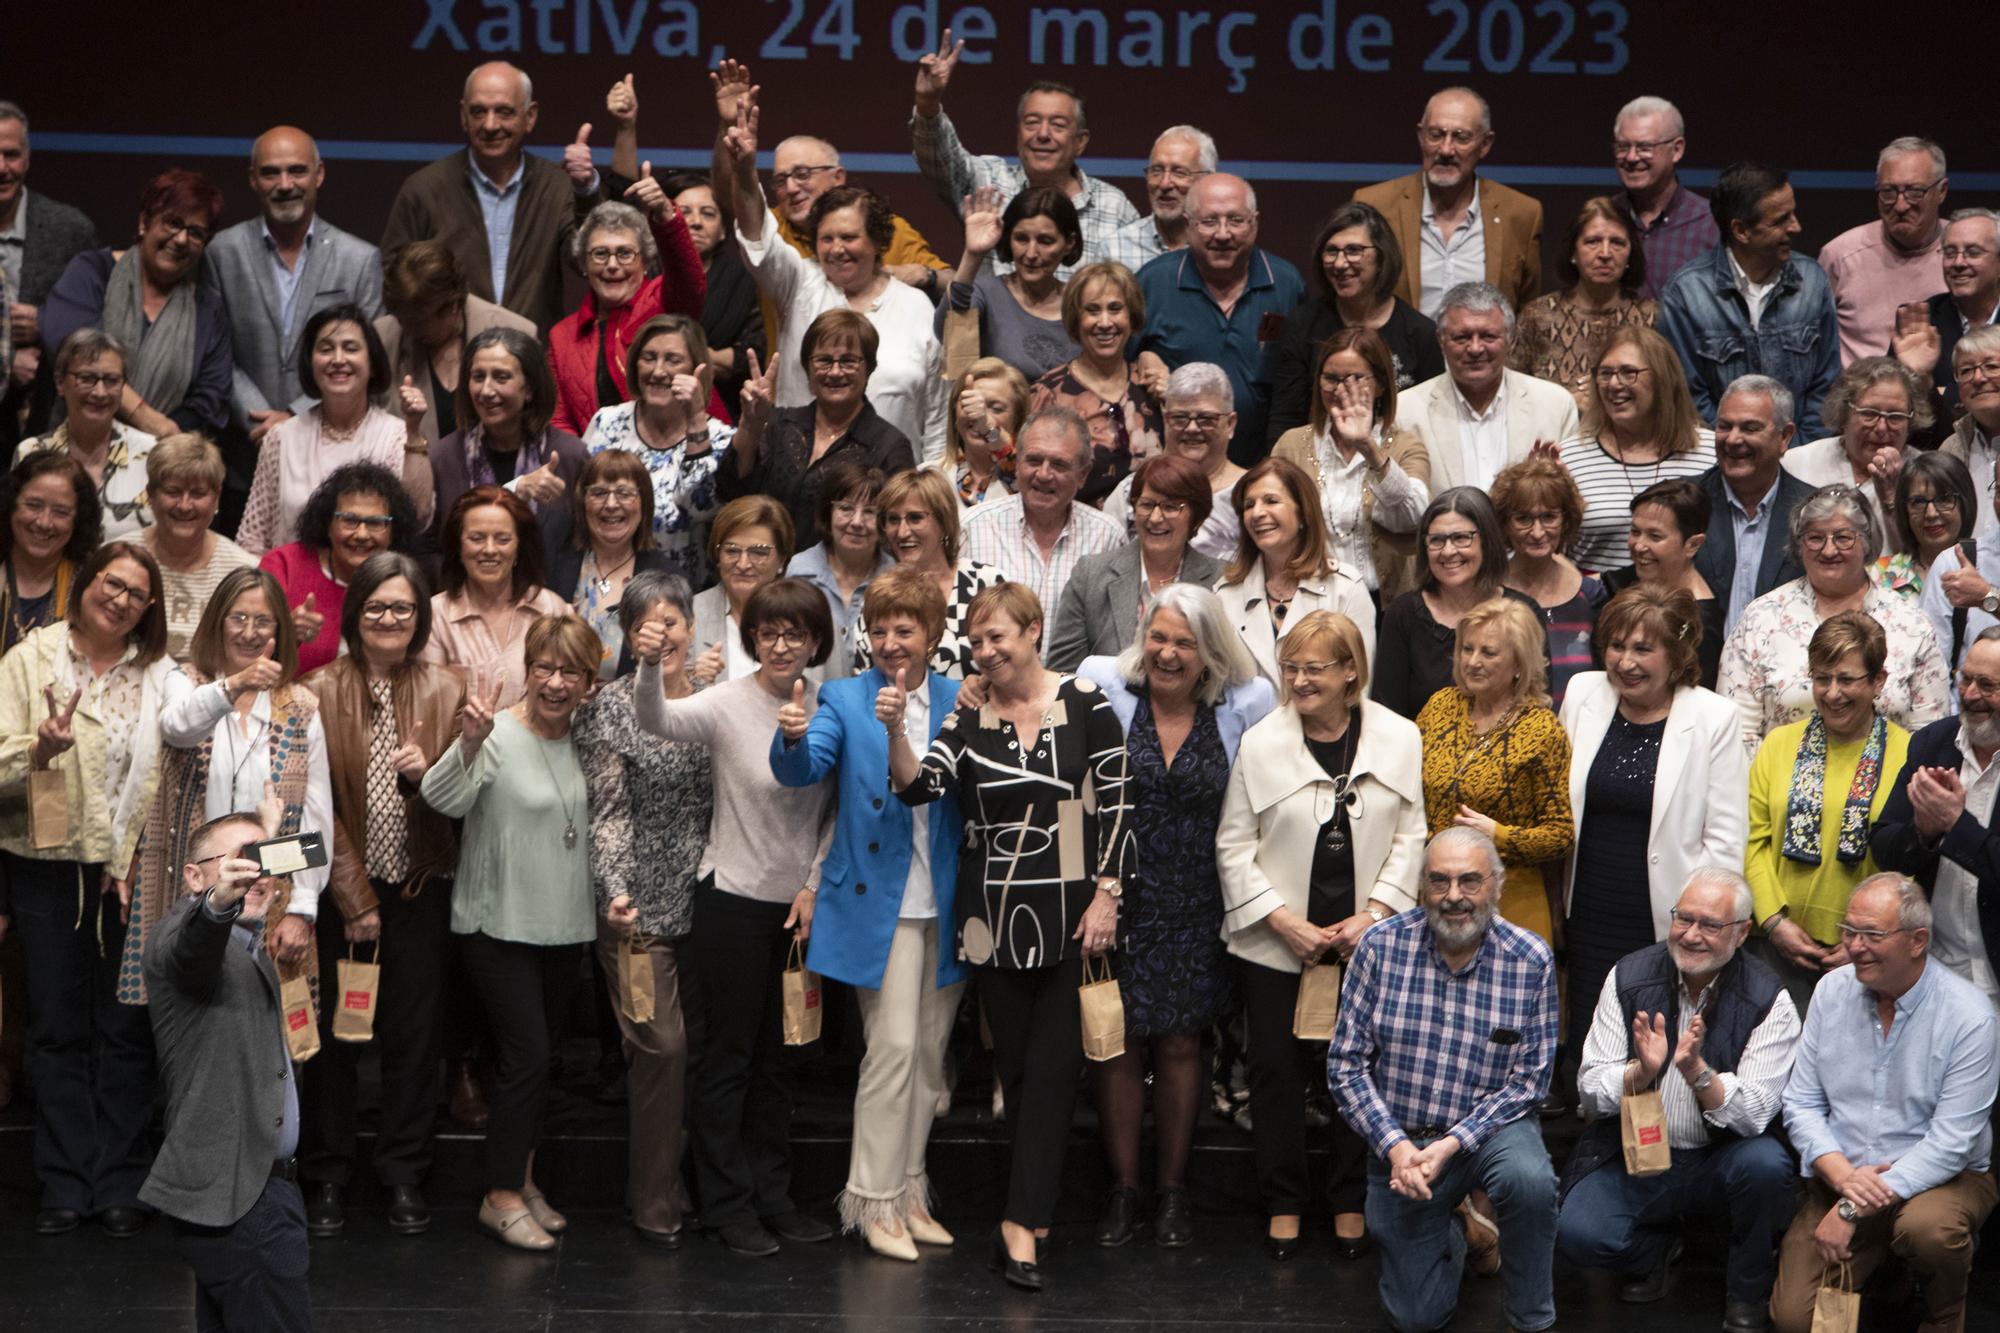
(1640, 147)
(1839, 541)
(604, 254)
(1984, 369)
(1826, 680)
(732, 554)
(1159, 171)
(847, 363)
(605, 494)
(90, 379)
(1329, 380)
(1689, 922)
(1889, 194)
(1943, 504)
(1352, 254)
(546, 671)
(1873, 937)
(1310, 670)
(1202, 421)
(798, 175)
(1459, 138)
(847, 509)
(1544, 518)
(1622, 376)
(1982, 684)
(240, 622)
(380, 611)
(369, 522)
(174, 226)
(1211, 223)
(118, 590)
(1971, 254)
(1149, 507)
(1453, 541)
(769, 636)
(1469, 882)
(1875, 416)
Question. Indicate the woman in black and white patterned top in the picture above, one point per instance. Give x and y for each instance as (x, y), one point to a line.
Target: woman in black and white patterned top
(919, 516)
(1040, 775)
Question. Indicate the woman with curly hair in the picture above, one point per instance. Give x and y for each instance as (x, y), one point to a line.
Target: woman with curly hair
(358, 510)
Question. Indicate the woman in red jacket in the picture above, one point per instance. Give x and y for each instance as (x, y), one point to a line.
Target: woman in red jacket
(615, 248)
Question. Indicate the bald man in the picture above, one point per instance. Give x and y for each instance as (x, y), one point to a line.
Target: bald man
(507, 215)
(273, 273)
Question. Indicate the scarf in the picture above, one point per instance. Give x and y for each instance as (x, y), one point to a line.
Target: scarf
(162, 365)
(479, 468)
(1805, 806)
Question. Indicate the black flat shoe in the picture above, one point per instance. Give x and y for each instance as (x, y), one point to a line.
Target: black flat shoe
(796, 1227)
(1018, 1273)
(748, 1239)
(1282, 1248)
(666, 1240)
(1352, 1247)
(122, 1221)
(1173, 1220)
(1554, 1106)
(326, 1211)
(1121, 1214)
(56, 1221)
(409, 1211)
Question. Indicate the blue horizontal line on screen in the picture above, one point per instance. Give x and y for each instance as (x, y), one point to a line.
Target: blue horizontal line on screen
(668, 159)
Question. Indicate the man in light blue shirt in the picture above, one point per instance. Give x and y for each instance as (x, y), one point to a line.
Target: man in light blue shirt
(1890, 1105)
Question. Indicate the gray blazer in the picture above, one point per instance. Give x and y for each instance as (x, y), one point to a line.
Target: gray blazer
(57, 234)
(219, 1031)
(1098, 614)
(336, 267)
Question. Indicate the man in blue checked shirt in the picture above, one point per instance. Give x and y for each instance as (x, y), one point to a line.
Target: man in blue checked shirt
(1444, 1048)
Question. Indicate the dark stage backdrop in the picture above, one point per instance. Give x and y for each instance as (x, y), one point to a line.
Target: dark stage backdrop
(1307, 98)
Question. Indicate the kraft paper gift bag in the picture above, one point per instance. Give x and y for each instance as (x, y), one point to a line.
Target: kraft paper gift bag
(1642, 1123)
(1103, 1011)
(354, 1016)
(802, 1008)
(1319, 1002)
(301, 1023)
(635, 982)
(48, 808)
(1837, 1307)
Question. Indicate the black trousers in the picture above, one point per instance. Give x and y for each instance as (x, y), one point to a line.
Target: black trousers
(250, 1276)
(1279, 1074)
(525, 989)
(1037, 1054)
(89, 1057)
(409, 1039)
(741, 1102)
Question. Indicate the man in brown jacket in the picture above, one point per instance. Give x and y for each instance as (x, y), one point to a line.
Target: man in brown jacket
(1452, 226)
(510, 216)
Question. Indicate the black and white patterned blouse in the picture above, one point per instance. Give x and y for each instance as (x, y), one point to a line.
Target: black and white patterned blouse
(649, 810)
(1044, 818)
(953, 658)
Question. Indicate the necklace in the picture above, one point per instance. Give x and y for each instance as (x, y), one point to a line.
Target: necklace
(1343, 786)
(569, 820)
(603, 581)
(339, 434)
(1625, 469)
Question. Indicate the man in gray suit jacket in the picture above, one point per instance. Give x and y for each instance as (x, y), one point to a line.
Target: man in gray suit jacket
(275, 271)
(227, 1171)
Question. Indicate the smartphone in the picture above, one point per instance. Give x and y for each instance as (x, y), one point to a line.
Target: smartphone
(287, 855)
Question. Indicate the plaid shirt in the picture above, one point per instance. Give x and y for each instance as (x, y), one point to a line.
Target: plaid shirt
(996, 533)
(1101, 207)
(1685, 230)
(1418, 1045)
(1135, 243)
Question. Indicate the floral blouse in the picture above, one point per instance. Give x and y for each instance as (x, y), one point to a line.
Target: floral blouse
(1764, 670)
(1121, 433)
(123, 490)
(649, 811)
(684, 494)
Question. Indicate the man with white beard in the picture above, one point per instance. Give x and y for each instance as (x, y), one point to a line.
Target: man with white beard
(1443, 1051)
(1711, 1029)
(1936, 827)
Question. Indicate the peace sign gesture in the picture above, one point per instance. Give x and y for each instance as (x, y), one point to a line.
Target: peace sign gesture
(934, 74)
(54, 735)
(760, 391)
(475, 721)
(740, 139)
(408, 758)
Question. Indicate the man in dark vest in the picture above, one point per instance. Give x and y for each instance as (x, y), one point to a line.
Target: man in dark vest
(1713, 1031)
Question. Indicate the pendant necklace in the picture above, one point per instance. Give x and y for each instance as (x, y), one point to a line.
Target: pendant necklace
(569, 820)
(1343, 789)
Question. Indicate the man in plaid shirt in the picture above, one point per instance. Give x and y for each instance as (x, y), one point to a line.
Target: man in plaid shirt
(1051, 135)
(1444, 1048)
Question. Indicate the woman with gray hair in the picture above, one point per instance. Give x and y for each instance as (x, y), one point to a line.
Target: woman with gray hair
(90, 377)
(1184, 692)
(638, 264)
(1199, 413)
(1835, 536)
(1873, 409)
(649, 816)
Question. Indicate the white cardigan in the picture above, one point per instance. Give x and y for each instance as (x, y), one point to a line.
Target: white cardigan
(1701, 789)
(1278, 799)
(1249, 610)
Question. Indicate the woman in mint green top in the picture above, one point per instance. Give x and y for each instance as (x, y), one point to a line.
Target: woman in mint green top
(522, 904)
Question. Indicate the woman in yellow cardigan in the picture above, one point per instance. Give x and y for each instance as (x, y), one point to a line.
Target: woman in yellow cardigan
(1816, 789)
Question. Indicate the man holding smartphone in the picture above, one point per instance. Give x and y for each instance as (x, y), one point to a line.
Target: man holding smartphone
(227, 1171)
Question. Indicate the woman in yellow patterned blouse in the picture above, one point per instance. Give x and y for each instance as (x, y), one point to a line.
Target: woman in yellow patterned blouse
(1496, 758)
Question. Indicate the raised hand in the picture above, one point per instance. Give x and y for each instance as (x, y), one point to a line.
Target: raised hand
(891, 700)
(262, 674)
(622, 102)
(707, 668)
(410, 399)
(1649, 1039)
(234, 876)
(982, 209)
(271, 810)
(408, 758)
(1915, 341)
(792, 715)
(544, 485)
(649, 640)
(1353, 417)
(621, 915)
(689, 393)
(934, 73)
(646, 193)
(577, 161)
(740, 141)
(733, 90)
(307, 621)
(1687, 1051)
(475, 720)
(760, 391)
(55, 734)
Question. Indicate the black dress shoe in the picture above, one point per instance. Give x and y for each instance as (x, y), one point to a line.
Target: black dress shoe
(1554, 1106)
(409, 1211)
(122, 1221)
(1746, 1317)
(796, 1227)
(748, 1239)
(1281, 1248)
(1352, 1247)
(1655, 1285)
(326, 1212)
(1120, 1215)
(667, 1240)
(1173, 1220)
(1018, 1273)
(55, 1221)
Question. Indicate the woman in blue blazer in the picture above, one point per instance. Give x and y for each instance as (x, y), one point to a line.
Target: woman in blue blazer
(1185, 692)
(884, 889)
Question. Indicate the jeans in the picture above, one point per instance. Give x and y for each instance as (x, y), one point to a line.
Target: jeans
(1423, 1250)
(1617, 1221)
(250, 1276)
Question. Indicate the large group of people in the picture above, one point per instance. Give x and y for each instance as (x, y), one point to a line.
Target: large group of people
(1463, 704)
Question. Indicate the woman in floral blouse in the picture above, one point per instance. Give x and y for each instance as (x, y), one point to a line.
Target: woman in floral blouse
(1102, 311)
(90, 375)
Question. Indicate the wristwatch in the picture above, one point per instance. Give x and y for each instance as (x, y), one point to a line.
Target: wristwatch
(1109, 884)
(1707, 1077)
(1990, 604)
(1377, 913)
(1848, 1212)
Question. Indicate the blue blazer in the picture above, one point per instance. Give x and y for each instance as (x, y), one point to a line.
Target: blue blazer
(1241, 709)
(861, 882)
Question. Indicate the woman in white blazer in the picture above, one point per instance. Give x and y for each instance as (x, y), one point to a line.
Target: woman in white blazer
(1321, 837)
(1658, 784)
(1284, 570)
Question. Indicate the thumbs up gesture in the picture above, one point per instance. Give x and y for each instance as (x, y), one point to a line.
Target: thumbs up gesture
(577, 162)
(542, 486)
(307, 621)
(792, 716)
(413, 404)
(646, 193)
(622, 102)
(890, 701)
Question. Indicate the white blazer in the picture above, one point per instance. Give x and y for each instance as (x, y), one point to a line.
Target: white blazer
(1249, 610)
(1536, 410)
(1701, 789)
(1278, 799)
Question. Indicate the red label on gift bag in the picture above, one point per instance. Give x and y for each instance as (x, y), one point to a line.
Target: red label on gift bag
(1649, 1135)
(358, 999)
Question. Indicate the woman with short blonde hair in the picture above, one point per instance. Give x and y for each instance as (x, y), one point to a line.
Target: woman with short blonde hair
(184, 475)
(1541, 511)
(919, 514)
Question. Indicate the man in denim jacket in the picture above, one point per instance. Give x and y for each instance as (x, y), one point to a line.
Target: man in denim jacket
(1751, 306)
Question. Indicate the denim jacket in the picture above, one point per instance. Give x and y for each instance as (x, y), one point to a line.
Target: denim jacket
(1797, 342)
